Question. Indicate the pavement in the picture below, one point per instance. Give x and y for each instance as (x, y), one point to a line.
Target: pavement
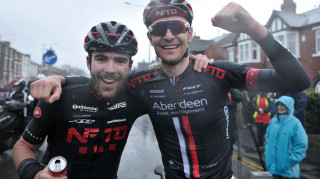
(141, 155)
(309, 167)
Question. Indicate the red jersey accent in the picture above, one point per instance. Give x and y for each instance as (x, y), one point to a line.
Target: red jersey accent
(37, 112)
(192, 145)
(251, 79)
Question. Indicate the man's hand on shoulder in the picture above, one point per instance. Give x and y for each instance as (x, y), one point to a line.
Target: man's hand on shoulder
(200, 61)
(48, 89)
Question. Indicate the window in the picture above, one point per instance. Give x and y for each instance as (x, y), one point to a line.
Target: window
(231, 54)
(249, 52)
(15, 66)
(254, 51)
(317, 87)
(4, 76)
(5, 62)
(10, 64)
(292, 43)
(318, 41)
(290, 40)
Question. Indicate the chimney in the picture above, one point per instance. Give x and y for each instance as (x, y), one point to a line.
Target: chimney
(288, 6)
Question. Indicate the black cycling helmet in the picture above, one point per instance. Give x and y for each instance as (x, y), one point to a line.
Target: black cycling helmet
(158, 9)
(111, 36)
(19, 81)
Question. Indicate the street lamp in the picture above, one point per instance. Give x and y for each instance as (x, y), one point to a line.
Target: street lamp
(138, 5)
(131, 4)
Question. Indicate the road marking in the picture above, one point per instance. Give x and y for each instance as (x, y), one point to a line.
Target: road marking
(247, 163)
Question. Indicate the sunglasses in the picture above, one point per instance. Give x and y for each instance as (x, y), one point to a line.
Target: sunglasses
(176, 27)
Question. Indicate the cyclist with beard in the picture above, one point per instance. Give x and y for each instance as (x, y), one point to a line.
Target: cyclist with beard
(90, 123)
(189, 110)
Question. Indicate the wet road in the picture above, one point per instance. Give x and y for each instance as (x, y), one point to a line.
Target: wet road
(141, 156)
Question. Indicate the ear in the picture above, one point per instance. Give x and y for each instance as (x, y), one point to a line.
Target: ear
(150, 38)
(88, 63)
(190, 34)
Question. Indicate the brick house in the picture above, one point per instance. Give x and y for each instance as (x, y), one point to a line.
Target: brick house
(300, 33)
(15, 64)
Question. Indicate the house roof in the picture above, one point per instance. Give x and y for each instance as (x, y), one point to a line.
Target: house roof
(198, 45)
(297, 20)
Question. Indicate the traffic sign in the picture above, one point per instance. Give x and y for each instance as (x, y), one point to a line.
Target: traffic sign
(49, 57)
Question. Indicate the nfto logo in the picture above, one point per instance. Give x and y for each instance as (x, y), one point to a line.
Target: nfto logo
(166, 12)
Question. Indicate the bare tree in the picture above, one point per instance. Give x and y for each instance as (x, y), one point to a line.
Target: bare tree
(68, 70)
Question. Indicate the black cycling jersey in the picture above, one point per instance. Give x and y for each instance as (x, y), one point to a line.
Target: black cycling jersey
(88, 131)
(189, 113)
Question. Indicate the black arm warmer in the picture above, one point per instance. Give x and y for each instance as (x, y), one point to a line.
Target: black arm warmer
(288, 74)
(71, 80)
(28, 168)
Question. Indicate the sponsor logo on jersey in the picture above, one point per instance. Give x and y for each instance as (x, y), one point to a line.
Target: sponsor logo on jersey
(82, 116)
(182, 105)
(226, 112)
(87, 136)
(118, 105)
(157, 91)
(37, 112)
(131, 84)
(215, 71)
(194, 92)
(192, 87)
(85, 108)
(116, 120)
(83, 121)
(157, 96)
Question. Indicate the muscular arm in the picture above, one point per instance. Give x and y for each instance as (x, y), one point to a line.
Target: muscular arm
(22, 150)
(49, 89)
(288, 74)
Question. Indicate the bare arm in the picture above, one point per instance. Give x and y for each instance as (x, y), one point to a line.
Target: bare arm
(48, 89)
(235, 18)
(23, 150)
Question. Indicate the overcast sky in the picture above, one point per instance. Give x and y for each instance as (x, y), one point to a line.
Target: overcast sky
(31, 25)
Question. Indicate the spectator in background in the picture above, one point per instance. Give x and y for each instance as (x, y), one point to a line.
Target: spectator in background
(300, 104)
(262, 107)
(21, 94)
(286, 141)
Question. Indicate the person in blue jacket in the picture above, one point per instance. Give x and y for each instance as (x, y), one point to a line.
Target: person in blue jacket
(300, 104)
(286, 141)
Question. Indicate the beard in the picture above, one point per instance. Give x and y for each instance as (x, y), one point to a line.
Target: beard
(99, 89)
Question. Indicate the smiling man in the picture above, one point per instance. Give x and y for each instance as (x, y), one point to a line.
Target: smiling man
(189, 110)
(190, 113)
(78, 125)
(109, 71)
